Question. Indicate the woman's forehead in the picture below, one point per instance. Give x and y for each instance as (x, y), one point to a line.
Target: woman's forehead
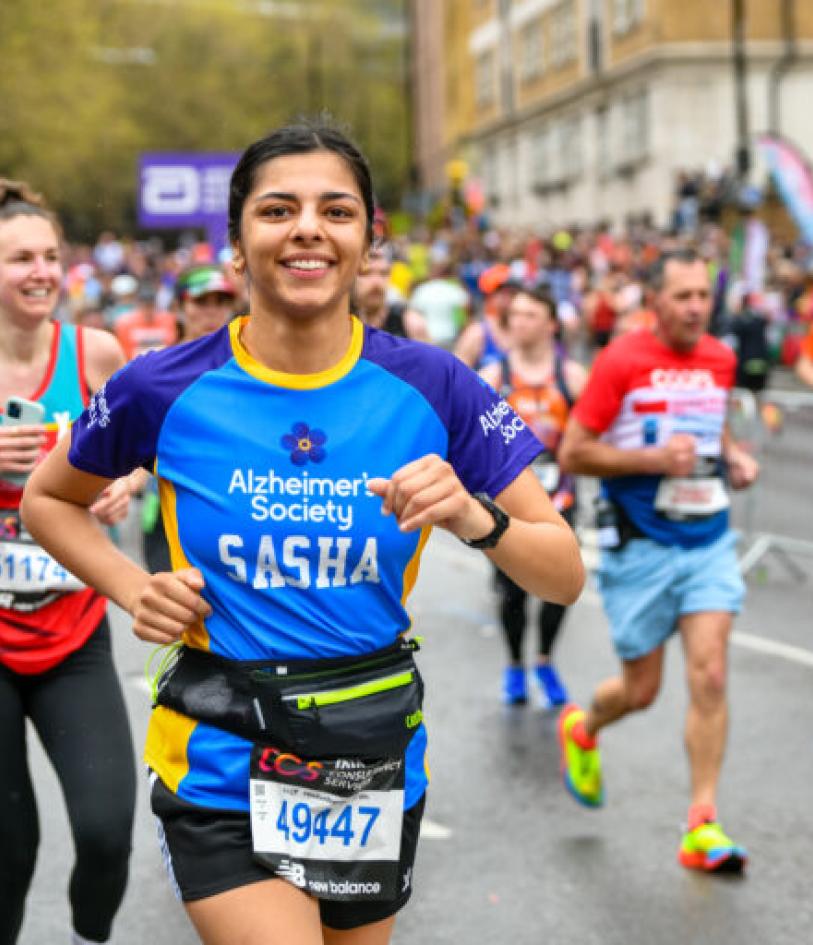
(28, 231)
(311, 174)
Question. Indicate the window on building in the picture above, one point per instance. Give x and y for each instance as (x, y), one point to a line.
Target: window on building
(563, 33)
(627, 14)
(603, 143)
(484, 79)
(634, 127)
(570, 147)
(532, 63)
(488, 174)
(543, 169)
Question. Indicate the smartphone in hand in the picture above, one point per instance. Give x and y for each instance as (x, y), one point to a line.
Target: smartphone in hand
(21, 412)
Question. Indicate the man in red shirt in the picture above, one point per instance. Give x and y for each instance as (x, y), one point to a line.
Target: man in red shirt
(652, 424)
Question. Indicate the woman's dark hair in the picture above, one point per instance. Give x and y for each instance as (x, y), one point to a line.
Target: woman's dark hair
(301, 138)
(542, 295)
(18, 199)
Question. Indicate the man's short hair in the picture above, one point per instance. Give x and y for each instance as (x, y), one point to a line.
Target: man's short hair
(657, 274)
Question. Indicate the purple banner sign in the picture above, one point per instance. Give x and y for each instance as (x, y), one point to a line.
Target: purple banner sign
(180, 190)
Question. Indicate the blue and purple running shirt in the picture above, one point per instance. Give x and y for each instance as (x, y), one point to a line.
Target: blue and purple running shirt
(263, 484)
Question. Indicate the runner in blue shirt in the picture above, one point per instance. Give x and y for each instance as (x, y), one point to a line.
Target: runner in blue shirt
(287, 744)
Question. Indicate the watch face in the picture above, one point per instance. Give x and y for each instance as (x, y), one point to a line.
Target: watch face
(501, 521)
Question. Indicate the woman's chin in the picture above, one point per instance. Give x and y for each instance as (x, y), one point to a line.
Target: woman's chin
(309, 305)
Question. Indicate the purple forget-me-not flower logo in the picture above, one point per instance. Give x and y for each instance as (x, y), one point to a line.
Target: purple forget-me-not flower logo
(305, 444)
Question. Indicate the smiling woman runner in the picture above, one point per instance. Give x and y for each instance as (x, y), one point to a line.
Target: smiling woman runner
(287, 744)
(56, 667)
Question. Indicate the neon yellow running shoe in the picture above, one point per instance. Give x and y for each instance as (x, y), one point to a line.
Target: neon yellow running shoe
(708, 848)
(581, 767)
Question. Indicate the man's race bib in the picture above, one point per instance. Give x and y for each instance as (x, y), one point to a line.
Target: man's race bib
(687, 496)
(547, 472)
(29, 576)
(332, 828)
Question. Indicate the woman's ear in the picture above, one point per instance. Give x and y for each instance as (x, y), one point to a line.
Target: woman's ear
(238, 263)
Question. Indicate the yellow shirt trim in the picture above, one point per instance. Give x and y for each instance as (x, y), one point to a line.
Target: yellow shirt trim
(411, 570)
(197, 635)
(166, 749)
(296, 381)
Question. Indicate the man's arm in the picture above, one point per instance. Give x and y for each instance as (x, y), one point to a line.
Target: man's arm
(743, 469)
(583, 452)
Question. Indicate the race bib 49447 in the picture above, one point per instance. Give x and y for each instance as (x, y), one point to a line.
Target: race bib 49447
(332, 828)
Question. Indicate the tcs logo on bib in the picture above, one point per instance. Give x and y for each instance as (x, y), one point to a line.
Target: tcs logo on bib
(288, 765)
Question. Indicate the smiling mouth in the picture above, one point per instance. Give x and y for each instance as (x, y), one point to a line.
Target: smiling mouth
(315, 266)
(41, 293)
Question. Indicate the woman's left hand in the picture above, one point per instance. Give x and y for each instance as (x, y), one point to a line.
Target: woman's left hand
(428, 492)
(113, 503)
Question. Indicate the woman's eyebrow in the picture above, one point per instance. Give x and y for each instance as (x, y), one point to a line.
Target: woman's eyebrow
(292, 198)
(275, 195)
(338, 195)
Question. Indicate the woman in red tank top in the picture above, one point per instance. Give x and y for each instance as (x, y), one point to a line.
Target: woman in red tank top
(56, 667)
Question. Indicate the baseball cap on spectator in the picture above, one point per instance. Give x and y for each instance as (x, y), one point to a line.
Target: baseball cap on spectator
(493, 278)
(201, 280)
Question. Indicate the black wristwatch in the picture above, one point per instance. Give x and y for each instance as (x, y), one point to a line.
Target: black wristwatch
(501, 523)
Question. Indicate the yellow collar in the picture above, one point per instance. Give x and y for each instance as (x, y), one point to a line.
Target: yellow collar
(296, 381)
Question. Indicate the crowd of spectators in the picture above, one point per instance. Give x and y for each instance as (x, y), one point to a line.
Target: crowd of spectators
(599, 278)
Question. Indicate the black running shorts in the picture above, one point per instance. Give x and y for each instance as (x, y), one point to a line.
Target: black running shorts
(209, 851)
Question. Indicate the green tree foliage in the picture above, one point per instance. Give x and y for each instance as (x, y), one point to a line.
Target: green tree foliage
(87, 85)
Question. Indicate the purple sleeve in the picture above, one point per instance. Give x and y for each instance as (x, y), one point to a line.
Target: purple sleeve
(489, 444)
(118, 430)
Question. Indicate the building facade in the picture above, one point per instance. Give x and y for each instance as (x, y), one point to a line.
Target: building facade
(573, 111)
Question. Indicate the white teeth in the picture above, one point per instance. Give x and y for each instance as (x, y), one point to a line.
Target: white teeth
(38, 293)
(307, 264)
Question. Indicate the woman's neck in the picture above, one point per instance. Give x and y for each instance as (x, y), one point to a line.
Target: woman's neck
(23, 344)
(24, 354)
(298, 346)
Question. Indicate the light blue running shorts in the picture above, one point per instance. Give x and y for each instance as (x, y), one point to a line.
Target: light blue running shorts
(647, 586)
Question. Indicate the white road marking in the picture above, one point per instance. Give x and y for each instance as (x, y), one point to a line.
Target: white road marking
(432, 830)
(795, 654)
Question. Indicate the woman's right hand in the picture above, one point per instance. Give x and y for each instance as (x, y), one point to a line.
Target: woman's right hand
(169, 603)
(20, 447)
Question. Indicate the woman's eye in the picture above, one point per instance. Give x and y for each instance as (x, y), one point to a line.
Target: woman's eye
(341, 212)
(276, 212)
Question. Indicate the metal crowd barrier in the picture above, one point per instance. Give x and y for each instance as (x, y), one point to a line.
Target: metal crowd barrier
(747, 425)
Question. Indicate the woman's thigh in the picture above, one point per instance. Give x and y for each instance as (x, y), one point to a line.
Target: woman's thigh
(270, 912)
(273, 912)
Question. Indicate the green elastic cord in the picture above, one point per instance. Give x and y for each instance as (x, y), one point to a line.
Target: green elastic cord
(169, 652)
(349, 694)
(150, 510)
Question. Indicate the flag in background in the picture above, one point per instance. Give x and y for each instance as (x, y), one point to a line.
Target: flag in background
(794, 180)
